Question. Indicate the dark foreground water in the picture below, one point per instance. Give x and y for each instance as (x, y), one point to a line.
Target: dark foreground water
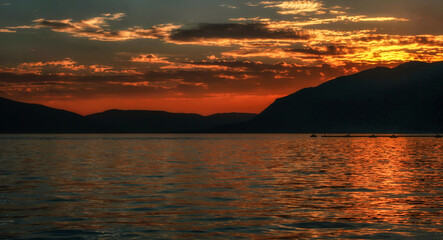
(220, 187)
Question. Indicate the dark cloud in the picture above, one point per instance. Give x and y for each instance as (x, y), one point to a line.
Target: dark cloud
(424, 40)
(38, 78)
(235, 31)
(55, 24)
(25, 78)
(330, 50)
(327, 51)
(239, 77)
(404, 40)
(371, 38)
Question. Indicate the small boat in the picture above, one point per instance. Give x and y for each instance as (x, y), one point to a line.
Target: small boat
(438, 136)
(393, 136)
(348, 135)
(313, 135)
(373, 136)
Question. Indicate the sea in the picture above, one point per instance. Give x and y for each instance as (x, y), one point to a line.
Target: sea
(220, 186)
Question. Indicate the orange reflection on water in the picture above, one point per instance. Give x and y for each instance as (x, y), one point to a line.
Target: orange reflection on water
(378, 172)
(253, 186)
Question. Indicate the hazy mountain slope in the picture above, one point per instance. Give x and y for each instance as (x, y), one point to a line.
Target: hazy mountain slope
(164, 122)
(18, 117)
(408, 98)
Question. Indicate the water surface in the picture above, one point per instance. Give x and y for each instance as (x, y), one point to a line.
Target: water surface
(219, 186)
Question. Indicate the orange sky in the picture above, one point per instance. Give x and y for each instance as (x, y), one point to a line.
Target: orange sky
(201, 56)
(204, 106)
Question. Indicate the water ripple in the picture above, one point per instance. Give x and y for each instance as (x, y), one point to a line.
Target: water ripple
(219, 186)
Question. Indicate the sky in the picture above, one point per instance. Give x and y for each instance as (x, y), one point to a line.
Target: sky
(201, 56)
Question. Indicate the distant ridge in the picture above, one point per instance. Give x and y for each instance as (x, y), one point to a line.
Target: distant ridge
(142, 121)
(405, 99)
(18, 117)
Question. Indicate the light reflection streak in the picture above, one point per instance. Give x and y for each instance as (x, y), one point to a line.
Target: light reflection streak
(253, 186)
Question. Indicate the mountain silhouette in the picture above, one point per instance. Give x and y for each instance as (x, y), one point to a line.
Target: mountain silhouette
(142, 121)
(18, 117)
(405, 99)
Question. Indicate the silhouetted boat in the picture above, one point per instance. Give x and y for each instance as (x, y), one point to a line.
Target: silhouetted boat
(438, 136)
(348, 135)
(313, 135)
(393, 136)
(373, 136)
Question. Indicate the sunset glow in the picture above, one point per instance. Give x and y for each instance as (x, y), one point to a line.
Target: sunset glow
(202, 56)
